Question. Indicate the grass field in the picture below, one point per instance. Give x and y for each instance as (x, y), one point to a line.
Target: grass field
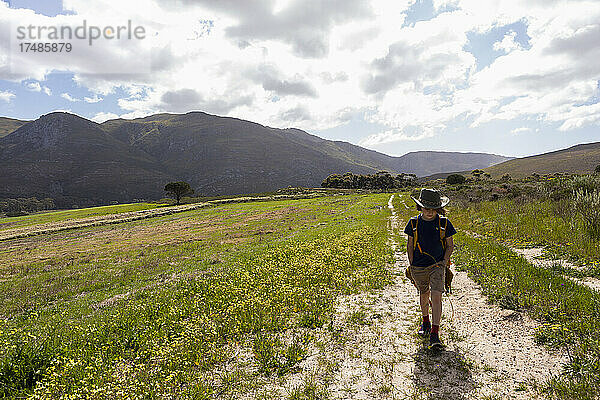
(150, 308)
(568, 310)
(214, 302)
(540, 223)
(65, 215)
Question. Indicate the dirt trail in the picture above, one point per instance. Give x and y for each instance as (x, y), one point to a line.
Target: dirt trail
(535, 257)
(490, 352)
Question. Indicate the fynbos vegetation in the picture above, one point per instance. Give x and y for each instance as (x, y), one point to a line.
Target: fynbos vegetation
(382, 180)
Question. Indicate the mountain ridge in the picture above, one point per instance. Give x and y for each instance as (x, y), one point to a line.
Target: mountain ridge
(579, 159)
(79, 161)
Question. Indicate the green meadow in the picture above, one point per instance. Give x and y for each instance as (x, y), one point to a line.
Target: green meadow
(149, 309)
(214, 302)
(66, 215)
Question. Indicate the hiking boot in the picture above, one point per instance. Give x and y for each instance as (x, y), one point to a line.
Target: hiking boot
(434, 341)
(425, 329)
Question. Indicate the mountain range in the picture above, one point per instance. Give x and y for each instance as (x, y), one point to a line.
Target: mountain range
(80, 162)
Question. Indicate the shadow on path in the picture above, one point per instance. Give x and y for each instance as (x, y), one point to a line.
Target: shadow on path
(442, 374)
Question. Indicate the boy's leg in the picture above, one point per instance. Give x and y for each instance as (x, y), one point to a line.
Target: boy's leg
(426, 325)
(436, 307)
(436, 316)
(424, 299)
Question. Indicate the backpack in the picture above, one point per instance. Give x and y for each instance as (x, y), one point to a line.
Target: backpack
(414, 223)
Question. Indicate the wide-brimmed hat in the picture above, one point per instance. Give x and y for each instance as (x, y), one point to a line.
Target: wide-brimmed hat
(431, 198)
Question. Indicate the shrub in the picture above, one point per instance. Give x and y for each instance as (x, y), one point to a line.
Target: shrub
(455, 179)
(587, 204)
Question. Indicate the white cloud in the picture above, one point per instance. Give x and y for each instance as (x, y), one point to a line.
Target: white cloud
(6, 96)
(508, 43)
(68, 97)
(34, 86)
(391, 136)
(92, 100)
(314, 64)
(516, 131)
(103, 116)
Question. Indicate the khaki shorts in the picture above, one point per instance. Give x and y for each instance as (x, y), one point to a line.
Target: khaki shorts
(429, 278)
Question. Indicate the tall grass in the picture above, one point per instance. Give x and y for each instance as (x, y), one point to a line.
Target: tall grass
(569, 311)
(563, 226)
(587, 205)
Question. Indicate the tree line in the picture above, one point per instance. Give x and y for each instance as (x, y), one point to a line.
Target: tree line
(380, 180)
(23, 205)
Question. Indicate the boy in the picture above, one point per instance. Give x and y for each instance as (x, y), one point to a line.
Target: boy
(429, 248)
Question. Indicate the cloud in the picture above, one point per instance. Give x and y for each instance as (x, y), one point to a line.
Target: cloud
(430, 53)
(582, 42)
(6, 96)
(223, 107)
(516, 131)
(508, 43)
(271, 80)
(34, 86)
(305, 25)
(295, 114)
(314, 63)
(92, 100)
(391, 136)
(68, 97)
(329, 77)
(181, 100)
(184, 100)
(104, 116)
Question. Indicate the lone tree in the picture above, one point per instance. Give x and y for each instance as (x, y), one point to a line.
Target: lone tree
(178, 190)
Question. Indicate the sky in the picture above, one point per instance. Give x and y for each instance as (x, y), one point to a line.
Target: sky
(510, 77)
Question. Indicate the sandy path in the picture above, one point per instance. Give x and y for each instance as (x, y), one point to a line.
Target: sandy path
(500, 342)
(490, 352)
(371, 351)
(535, 257)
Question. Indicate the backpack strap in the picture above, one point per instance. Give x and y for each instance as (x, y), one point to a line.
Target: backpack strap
(414, 223)
(443, 221)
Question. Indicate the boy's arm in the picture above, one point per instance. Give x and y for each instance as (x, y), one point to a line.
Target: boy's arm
(449, 250)
(410, 249)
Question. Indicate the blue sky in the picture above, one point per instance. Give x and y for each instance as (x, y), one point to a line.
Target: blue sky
(462, 75)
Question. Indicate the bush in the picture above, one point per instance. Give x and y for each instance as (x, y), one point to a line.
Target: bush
(587, 203)
(455, 179)
(16, 214)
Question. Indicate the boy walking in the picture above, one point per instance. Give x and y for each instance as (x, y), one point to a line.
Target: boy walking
(429, 248)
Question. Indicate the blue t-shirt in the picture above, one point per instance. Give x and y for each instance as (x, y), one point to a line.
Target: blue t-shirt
(428, 235)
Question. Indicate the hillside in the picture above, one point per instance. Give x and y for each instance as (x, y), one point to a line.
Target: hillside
(8, 125)
(425, 163)
(579, 159)
(227, 156)
(77, 161)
